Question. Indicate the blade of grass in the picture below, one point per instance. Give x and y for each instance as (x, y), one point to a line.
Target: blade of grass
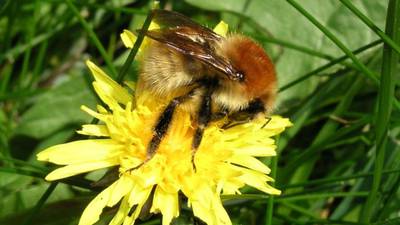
(74, 181)
(16, 95)
(299, 209)
(303, 171)
(301, 115)
(393, 44)
(366, 71)
(30, 32)
(40, 203)
(113, 36)
(334, 179)
(270, 202)
(321, 195)
(328, 65)
(296, 197)
(39, 63)
(135, 49)
(5, 78)
(11, 54)
(316, 221)
(385, 100)
(112, 8)
(4, 7)
(384, 211)
(131, 56)
(93, 37)
(24, 163)
(9, 25)
(266, 35)
(291, 46)
(104, 7)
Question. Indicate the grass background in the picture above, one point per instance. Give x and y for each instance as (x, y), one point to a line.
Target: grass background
(338, 71)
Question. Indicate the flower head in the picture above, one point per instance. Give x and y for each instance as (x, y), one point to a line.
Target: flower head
(225, 161)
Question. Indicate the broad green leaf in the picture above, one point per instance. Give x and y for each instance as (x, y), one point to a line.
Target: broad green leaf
(57, 108)
(27, 195)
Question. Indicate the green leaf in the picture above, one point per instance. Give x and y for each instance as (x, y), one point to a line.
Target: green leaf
(26, 195)
(57, 108)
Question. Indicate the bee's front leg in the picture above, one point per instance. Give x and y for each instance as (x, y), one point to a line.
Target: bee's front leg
(245, 115)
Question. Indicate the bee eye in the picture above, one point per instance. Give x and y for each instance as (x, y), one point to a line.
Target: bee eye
(239, 76)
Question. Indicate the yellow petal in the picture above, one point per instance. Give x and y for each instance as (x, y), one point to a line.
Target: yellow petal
(221, 28)
(94, 130)
(74, 169)
(128, 38)
(92, 212)
(108, 86)
(130, 84)
(96, 115)
(201, 202)
(167, 204)
(105, 96)
(259, 181)
(81, 151)
(277, 122)
(212, 213)
(256, 151)
(202, 212)
(122, 212)
(220, 213)
(154, 26)
(122, 187)
(250, 162)
(137, 198)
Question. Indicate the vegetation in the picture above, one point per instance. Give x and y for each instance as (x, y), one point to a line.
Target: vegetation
(338, 71)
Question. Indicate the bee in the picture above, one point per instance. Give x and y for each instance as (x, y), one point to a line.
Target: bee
(207, 75)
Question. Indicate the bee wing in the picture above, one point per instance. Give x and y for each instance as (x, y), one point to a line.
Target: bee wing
(196, 49)
(191, 39)
(170, 19)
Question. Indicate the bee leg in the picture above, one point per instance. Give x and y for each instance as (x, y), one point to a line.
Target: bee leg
(162, 126)
(203, 118)
(245, 115)
(267, 120)
(219, 115)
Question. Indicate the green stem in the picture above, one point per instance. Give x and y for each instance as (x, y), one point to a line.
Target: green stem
(385, 100)
(40, 203)
(40, 59)
(292, 46)
(74, 181)
(135, 48)
(334, 179)
(328, 65)
(321, 195)
(296, 197)
(266, 36)
(270, 202)
(371, 25)
(93, 37)
(367, 72)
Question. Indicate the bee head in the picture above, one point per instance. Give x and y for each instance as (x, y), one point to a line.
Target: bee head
(256, 69)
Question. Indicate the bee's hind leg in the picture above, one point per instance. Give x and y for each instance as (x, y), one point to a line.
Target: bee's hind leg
(163, 123)
(203, 118)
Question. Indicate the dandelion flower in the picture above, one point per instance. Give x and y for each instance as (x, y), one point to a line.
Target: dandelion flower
(225, 161)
